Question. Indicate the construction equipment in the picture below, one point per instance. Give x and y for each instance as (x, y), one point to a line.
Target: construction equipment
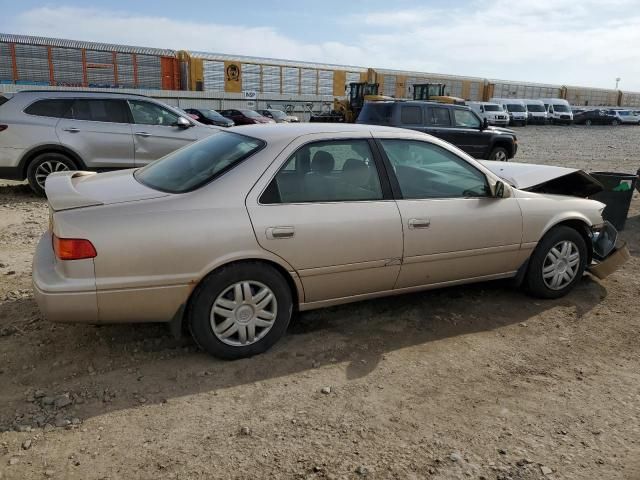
(434, 92)
(346, 111)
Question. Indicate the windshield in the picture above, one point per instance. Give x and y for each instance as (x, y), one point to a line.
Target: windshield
(213, 115)
(251, 113)
(3, 99)
(514, 107)
(560, 108)
(376, 113)
(534, 107)
(278, 114)
(189, 168)
(492, 108)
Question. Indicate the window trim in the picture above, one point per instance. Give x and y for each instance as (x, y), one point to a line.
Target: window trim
(383, 176)
(395, 184)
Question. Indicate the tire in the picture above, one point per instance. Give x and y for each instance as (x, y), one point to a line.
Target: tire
(541, 262)
(615, 123)
(43, 163)
(499, 154)
(216, 302)
(588, 123)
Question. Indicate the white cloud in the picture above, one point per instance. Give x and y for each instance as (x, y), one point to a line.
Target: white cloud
(550, 41)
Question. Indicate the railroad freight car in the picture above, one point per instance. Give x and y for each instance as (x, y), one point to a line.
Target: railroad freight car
(236, 74)
(514, 89)
(587, 96)
(399, 83)
(27, 60)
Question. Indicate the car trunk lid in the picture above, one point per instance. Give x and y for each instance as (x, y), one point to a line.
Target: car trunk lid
(546, 178)
(67, 190)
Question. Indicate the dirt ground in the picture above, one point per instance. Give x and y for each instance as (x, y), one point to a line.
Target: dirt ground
(478, 382)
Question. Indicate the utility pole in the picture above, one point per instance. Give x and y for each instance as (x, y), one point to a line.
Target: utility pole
(617, 81)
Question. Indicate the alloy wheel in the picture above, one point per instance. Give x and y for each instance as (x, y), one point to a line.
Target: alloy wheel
(47, 168)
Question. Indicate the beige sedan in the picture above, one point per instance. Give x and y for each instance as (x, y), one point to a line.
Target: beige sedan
(234, 233)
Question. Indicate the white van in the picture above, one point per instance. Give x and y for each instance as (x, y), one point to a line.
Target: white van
(515, 108)
(558, 110)
(493, 112)
(537, 111)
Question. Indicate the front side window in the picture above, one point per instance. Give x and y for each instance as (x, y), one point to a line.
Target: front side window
(428, 171)
(332, 171)
(191, 167)
(112, 111)
(466, 119)
(439, 116)
(147, 113)
(57, 108)
(411, 115)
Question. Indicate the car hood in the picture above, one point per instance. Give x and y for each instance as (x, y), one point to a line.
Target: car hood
(66, 190)
(545, 178)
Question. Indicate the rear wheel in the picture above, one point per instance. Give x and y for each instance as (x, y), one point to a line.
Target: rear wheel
(44, 165)
(557, 264)
(240, 310)
(588, 123)
(615, 123)
(499, 154)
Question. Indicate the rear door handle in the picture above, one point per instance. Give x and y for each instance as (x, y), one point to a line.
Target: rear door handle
(274, 233)
(419, 223)
(143, 134)
(71, 129)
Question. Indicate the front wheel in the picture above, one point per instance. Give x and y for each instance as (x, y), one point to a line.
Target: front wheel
(557, 263)
(588, 123)
(615, 123)
(240, 310)
(44, 165)
(499, 154)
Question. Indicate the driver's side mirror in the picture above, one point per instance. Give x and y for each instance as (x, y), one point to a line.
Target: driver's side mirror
(498, 190)
(485, 124)
(183, 123)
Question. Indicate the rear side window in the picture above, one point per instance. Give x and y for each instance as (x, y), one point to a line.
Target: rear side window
(189, 168)
(376, 114)
(49, 108)
(439, 116)
(3, 99)
(411, 115)
(113, 111)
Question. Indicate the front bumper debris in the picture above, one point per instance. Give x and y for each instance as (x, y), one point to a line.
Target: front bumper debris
(609, 254)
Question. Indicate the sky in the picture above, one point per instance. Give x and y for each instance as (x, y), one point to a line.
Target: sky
(567, 42)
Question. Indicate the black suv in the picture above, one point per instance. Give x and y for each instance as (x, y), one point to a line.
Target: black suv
(456, 124)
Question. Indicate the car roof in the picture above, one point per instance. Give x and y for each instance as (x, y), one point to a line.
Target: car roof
(76, 94)
(278, 131)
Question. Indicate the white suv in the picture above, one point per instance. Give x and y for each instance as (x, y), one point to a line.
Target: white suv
(50, 131)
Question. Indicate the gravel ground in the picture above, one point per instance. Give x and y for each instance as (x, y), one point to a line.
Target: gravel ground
(467, 382)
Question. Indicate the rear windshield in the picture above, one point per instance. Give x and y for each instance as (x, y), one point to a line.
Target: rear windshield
(534, 107)
(191, 167)
(250, 114)
(376, 113)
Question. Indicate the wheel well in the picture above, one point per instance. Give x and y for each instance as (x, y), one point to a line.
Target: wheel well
(283, 271)
(503, 144)
(583, 229)
(29, 156)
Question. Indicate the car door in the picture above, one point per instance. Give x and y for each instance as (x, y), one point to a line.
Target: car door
(453, 229)
(155, 131)
(99, 131)
(466, 133)
(325, 207)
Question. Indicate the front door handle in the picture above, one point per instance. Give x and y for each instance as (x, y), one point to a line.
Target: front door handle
(275, 233)
(143, 134)
(419, 223)
(71, 129)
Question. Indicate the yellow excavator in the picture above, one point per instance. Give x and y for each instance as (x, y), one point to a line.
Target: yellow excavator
(434, 92)
(346, 111)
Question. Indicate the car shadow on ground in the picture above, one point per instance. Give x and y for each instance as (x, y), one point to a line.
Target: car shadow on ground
(107, 368)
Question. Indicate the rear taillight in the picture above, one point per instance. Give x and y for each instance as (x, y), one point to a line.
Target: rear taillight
(3, 127)
(73, 248)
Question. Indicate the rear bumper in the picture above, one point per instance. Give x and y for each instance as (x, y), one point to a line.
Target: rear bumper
(62, 299)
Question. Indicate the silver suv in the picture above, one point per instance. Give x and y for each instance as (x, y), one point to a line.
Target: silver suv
(50, 131)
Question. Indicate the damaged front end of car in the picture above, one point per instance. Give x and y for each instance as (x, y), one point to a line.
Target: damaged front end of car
(609, 253)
